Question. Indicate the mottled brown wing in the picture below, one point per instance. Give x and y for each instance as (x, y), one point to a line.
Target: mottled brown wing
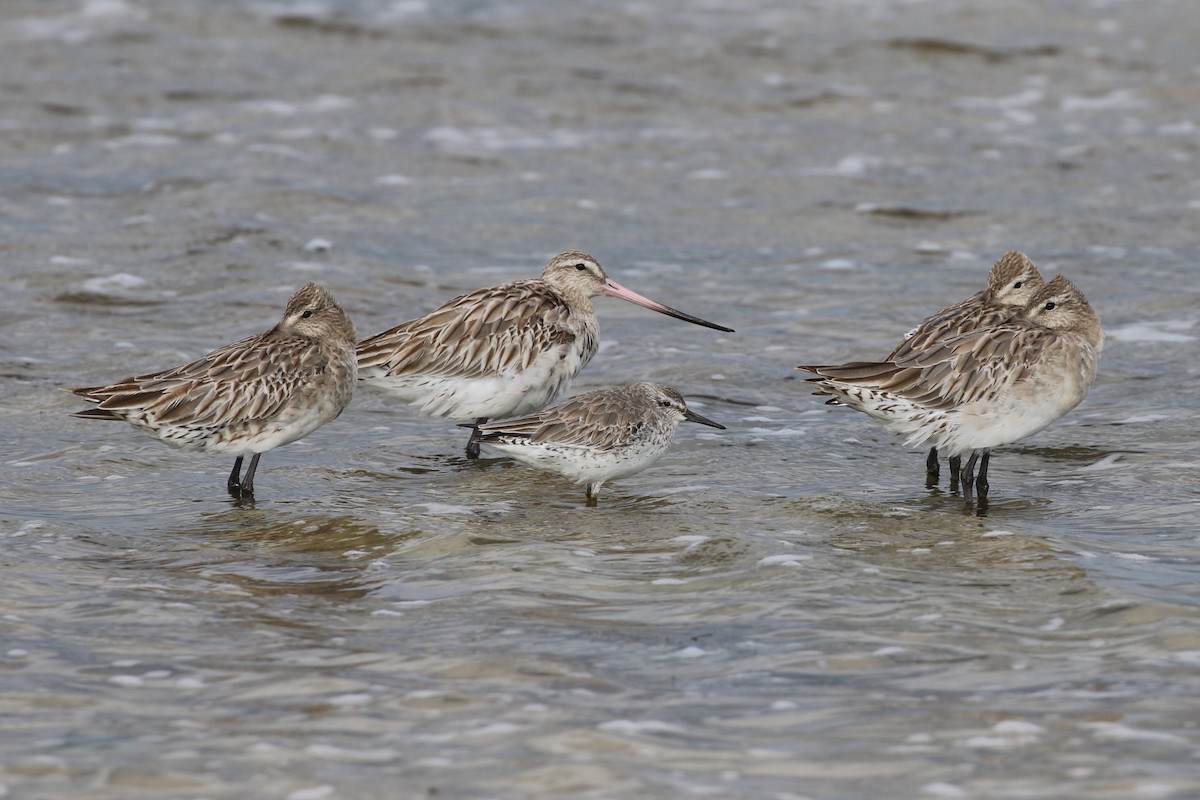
(952, 321)
(973, 366)
(499, 329)
(602, 419)
(236, 383)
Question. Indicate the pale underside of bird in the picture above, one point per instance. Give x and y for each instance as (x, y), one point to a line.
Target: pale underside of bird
(248, 397)
(502, 351)
(1013, 280)
(598, 436)
(984, 388)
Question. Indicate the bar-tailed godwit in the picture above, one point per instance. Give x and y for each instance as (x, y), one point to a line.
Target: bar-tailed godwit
(248, 397)
(984, 388)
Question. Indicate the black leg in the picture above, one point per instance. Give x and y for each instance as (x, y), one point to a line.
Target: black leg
(234, 484)
(592, 491)
(968, 473)
(981, 483)
(473, 442)
(932, 468)
(248, 481)
(955, 468)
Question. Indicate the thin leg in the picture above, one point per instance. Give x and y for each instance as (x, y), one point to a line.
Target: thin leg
(592, 491)
(981, 483)
(473, 442)
(932, 468)
(248, 481)
(968, 473)
(234, 484)
(955, 471)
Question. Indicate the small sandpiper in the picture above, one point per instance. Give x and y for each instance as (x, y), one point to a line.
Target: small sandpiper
(984, 388)
(502, 351)
(598, 436)
(248, 397)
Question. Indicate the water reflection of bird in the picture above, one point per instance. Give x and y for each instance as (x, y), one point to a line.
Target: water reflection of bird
(248, 397)
(598, 436)
(984, 388)
(502, 351)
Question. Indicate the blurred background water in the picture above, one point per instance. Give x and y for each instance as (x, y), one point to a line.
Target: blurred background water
(780, 610)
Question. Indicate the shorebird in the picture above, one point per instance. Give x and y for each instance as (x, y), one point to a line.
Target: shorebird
(248, 397)
(502, 351)
(1012, 282)
(984, 388)
(598, 436)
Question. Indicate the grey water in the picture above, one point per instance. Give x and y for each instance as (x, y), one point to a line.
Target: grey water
(781, 610)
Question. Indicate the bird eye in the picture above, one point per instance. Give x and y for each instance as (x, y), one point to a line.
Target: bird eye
(665, 403)
(306, 314)
(1050, 305)
(1017, 285)
(580, 267)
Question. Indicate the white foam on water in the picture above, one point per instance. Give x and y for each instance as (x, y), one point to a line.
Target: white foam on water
(1114, 100)
(329, 752)
(119, 280)
(1021, 99)
(441, 509)
(1115, 731)
(687, 652)
(393, 180)
(142, 140)
(1106, 463)
(1152, 331)
(784, 560)
(466, 140)
(312, 793)
(630, 727)
(940, 789)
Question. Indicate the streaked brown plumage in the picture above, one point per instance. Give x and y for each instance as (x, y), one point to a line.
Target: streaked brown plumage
(597, 436)
(1013, 280)
(250, 396)
(984, 388)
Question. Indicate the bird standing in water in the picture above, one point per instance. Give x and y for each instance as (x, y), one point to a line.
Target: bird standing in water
(250, 396)
(597, 436)
(985, 388)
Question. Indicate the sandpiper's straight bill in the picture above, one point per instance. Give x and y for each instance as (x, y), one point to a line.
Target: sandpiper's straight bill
(598, 436)
(984, 388)
(248, 397)
(502, 351)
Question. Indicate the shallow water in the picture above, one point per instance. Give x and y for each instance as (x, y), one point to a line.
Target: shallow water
(779, 610)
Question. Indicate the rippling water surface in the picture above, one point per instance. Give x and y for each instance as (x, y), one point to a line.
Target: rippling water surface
(781, 610)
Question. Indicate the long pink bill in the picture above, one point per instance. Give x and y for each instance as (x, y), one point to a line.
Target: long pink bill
(614, 289)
